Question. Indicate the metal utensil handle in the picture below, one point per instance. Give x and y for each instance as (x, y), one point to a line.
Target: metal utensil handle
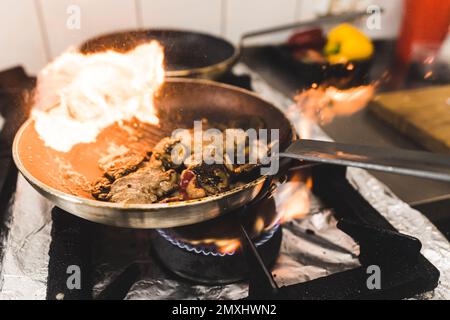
(346, 17)
(407, 162)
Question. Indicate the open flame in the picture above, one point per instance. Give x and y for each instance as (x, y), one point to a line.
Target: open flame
(291, 200)
(226, 242)
(229, 247)
(224, 246)
(323, 104)
(78, 95)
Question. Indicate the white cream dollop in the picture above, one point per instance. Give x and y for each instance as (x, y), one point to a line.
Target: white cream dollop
(78, 95)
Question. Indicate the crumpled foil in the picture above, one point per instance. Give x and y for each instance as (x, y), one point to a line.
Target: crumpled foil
(25, 246)
(24, 264)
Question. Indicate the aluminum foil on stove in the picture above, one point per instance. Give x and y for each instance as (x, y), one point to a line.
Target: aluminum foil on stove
(25, 245)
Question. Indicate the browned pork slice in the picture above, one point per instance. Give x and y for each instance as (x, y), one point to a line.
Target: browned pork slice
(121, 165)
(100, 189)
(162, 154)
(199, 181)
(146, 185)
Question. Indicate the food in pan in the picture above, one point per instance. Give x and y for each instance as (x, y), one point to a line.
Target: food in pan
(157, 177)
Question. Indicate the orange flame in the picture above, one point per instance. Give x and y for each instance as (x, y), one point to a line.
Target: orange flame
(291, 200)
(231, 246)
(294, 198)
(322, 105)
(223, 245)
(79, 95)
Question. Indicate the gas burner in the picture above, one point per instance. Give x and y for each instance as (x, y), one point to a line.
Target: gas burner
(212, 249)
(206, 265)
(211, 252)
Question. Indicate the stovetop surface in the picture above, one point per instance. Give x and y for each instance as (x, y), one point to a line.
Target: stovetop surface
(312, 247)
(317, 259)
(39, 243)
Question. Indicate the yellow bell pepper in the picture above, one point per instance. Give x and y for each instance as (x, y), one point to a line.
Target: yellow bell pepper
(346, 43)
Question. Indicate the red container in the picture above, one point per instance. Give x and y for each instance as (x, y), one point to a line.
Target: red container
(425, 23)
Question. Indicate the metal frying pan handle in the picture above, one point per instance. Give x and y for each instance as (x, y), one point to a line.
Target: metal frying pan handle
(345, 17)
(407, 162)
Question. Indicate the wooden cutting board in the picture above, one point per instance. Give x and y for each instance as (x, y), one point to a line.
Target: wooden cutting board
(422, 114)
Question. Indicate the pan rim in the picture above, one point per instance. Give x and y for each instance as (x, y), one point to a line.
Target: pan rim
(73, 199)
(195, 72)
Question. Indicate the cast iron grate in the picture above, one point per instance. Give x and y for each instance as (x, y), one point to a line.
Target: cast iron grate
(405, 272)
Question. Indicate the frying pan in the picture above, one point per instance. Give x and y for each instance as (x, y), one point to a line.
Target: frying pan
(187, 53)
(194, 54)
(62, 177)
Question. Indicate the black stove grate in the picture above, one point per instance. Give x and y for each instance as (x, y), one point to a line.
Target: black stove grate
(405, 272)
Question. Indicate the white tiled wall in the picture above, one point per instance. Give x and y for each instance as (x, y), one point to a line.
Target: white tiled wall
(20, 36)
(96, 17)
(199, 15)
(250, 15)
(35, 31)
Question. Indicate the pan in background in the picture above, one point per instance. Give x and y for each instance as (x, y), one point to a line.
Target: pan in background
(187, 53)
(342, 75)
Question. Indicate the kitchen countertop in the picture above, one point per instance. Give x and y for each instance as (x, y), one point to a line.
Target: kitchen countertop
(364, 128)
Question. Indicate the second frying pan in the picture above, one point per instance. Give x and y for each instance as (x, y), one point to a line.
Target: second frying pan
(187, 53)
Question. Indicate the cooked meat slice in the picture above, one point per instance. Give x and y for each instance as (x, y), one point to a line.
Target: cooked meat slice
(189, 186)
(133, 196)
(193, 190)
(201, 180)
(145, 185)
(100, 190)
(161, 156)
(122, 165)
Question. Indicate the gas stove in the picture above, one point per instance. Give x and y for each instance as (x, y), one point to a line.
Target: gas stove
(345, 242)
(332, 237)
